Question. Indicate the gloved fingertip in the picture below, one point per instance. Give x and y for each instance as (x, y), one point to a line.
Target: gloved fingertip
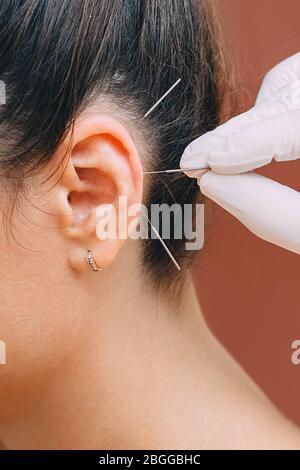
(205, 182)
(191, 158)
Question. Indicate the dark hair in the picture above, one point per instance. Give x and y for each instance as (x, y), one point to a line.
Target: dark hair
(55, 57)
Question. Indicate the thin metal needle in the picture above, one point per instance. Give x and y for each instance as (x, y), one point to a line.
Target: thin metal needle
(161, 241)
(176, 170)
(163, 97)
(148, 172)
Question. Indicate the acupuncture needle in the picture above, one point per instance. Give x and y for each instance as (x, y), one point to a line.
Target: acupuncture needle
(145, 215)
(162, 98)
(175, 170)
(161, 241)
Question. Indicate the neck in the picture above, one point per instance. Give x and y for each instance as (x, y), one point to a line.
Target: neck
(132, 382)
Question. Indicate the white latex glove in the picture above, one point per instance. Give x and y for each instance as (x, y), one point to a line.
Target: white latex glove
(270, 130)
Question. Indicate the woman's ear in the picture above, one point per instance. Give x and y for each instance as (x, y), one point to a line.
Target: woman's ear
(101, 184)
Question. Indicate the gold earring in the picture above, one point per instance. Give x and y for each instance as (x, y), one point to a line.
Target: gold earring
(91, 262)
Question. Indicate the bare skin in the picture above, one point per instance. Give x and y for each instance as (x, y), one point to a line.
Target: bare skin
(99, 360)
(150, 377)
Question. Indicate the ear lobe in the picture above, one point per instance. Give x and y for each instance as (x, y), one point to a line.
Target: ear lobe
(103, 167)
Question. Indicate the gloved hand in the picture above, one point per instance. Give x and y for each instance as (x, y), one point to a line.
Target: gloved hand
(270, 130)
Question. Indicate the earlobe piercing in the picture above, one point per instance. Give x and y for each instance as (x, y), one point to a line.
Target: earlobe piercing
(91, 262)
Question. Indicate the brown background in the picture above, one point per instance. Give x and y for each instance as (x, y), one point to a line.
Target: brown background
(249, 290)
